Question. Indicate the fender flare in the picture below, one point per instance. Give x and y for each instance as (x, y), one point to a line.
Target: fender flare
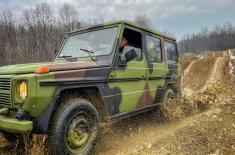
(42, 122)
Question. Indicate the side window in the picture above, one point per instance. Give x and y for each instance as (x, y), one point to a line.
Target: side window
(153, 46)
(171, 52)
(130, 46)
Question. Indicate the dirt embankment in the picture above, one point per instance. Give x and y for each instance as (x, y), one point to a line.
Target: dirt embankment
(187, 59)
(198, 73)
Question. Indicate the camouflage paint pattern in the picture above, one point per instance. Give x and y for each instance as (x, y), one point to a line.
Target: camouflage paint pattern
(136, 86)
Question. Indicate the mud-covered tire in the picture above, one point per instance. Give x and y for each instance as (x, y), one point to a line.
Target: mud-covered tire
(169, 94)
(73, 117)
(169, 108)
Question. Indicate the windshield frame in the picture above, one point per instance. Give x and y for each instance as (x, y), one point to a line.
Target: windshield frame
(57, 57)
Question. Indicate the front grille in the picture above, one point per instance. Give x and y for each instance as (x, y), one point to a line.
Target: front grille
(5, 91)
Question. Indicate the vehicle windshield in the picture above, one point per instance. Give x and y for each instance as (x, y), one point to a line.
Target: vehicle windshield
(98, 42)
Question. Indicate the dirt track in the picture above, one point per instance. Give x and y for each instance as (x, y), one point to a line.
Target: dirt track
(205, 125)
(212, 131)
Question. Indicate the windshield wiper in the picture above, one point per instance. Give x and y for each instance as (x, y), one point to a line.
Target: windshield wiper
(89, 53)
(65, 56)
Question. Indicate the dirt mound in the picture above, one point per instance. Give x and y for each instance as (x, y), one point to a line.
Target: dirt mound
(198, 73)
(187, 59)
(218, 54)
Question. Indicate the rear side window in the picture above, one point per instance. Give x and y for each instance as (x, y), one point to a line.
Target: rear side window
(153, 46)
(171, 52)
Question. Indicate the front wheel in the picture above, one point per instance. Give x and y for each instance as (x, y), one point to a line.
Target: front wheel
(74, 128)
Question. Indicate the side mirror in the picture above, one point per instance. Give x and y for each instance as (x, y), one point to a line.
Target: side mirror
(122, 63)
(131, 55)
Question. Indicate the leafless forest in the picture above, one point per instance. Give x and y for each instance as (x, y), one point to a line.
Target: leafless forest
(222, 37)
(35, 34)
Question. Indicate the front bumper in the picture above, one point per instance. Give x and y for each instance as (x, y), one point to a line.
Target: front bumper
(13, 125)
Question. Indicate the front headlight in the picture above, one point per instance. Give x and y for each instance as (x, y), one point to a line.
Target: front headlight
(22, 90)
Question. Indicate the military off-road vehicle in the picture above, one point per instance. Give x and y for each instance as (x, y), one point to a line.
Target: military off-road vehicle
(106, 71)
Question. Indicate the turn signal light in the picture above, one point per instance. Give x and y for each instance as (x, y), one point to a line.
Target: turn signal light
(42, 70)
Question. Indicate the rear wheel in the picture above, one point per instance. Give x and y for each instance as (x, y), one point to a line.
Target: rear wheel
(169, 94)
(169, 108)
(74, 128)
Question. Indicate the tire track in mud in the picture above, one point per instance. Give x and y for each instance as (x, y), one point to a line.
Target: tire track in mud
(187, 70)
(196, 75)
(215, 73)
(186, 73)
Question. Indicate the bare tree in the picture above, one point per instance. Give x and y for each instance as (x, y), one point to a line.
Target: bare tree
(91, 22)
(8, 36)
(222, 37)
(143, 20)
(69, 17)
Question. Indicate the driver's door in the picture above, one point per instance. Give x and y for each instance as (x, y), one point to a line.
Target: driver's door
(131, 78)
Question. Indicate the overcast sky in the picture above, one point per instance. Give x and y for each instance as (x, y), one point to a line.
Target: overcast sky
(176, 16)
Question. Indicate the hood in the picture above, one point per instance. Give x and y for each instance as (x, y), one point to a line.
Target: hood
(21, 68)
(53, 66)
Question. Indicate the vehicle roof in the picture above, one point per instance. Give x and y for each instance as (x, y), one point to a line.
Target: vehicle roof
(127, 23)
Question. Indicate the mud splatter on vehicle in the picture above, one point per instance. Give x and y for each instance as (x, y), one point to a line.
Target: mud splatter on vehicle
(115, 70)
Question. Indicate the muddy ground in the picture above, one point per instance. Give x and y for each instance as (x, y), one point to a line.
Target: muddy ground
(201, 122)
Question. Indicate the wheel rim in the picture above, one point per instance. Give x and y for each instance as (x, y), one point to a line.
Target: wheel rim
(170, 94)
(79, 133)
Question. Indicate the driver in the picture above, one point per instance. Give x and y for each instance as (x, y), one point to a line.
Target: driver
(123, 43)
